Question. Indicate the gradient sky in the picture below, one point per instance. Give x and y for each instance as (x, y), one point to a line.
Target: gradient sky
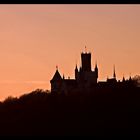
(36, 38)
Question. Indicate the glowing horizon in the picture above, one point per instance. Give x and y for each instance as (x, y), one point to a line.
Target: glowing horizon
(36, 38)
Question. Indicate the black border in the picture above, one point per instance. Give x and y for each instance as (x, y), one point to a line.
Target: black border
(70, 2)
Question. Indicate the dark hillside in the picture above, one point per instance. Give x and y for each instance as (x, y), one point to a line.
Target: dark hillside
(104, 112)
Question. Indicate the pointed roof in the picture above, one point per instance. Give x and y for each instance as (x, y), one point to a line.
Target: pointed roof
(114, 74)
(123, 79)
(76, 67)
(56, 76)
(130, 78)
(96, 64)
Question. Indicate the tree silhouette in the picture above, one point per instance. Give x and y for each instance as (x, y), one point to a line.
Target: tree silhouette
(136, 79)
(104, 111)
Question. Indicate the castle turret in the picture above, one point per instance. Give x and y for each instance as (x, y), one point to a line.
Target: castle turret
(56, 81)
(76, 72)
(56, 77)
(96, 70)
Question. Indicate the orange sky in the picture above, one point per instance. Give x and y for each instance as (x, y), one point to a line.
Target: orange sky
(36, 38)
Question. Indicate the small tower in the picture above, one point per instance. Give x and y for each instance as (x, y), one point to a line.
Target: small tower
(76, 72)
(56, 81)
(57, 76)
(96, 69)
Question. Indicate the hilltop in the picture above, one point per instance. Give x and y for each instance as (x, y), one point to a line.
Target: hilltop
(104, 112)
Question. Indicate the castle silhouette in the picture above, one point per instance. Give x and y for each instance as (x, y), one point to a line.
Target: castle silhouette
(85, 78)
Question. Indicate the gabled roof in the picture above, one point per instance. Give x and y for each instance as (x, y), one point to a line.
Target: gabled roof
(56, 76)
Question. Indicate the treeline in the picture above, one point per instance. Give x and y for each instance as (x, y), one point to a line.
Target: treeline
(100, 112)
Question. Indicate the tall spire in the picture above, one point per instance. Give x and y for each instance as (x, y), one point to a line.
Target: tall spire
(96, 69)
(114, 74)
(76, 71)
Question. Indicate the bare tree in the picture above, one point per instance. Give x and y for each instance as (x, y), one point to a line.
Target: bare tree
(136, 79)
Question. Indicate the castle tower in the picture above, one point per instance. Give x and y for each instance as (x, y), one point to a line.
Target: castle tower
(86, 61)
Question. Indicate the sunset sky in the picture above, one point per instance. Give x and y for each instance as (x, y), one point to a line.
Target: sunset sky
(36, 38)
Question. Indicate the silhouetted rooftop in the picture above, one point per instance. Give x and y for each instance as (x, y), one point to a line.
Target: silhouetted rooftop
(71, 82)
(56, 76)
